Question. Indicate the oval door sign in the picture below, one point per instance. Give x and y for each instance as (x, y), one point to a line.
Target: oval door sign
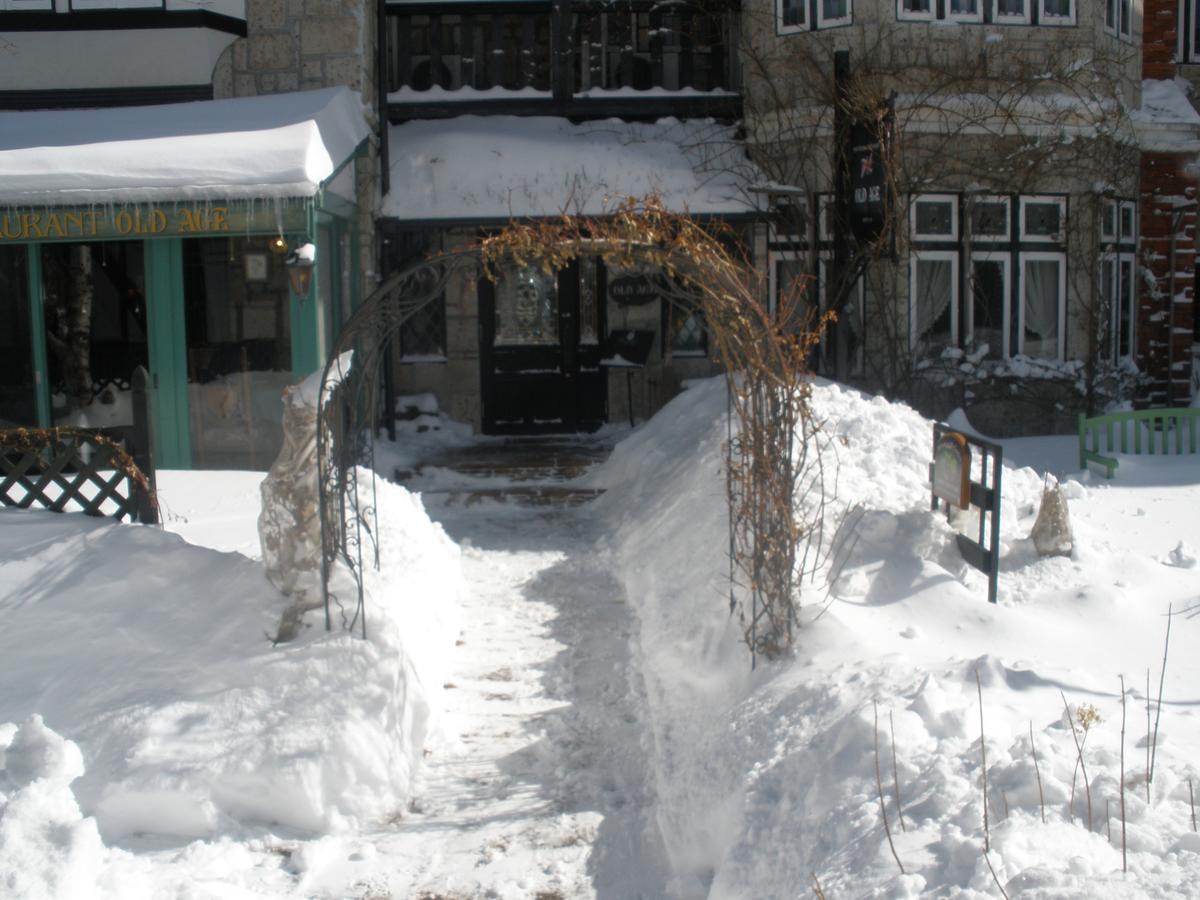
(952, 469)
(632, 290)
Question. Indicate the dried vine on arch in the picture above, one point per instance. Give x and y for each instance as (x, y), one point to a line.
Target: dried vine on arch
(772, 454)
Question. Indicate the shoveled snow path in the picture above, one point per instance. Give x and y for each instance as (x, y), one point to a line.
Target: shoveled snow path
(542, 788)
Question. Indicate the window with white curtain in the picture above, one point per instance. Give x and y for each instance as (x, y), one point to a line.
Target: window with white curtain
(792, 16)
(933, 301)
(1042, 312)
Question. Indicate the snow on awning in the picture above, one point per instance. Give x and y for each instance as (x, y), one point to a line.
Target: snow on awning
(276, 146)
(502, 167)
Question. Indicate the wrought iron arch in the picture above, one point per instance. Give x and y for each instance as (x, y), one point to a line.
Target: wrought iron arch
(347, 422)
(348, 409)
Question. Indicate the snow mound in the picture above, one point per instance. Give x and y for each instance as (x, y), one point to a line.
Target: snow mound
(154, 656)
(767, 777)
(47, 848)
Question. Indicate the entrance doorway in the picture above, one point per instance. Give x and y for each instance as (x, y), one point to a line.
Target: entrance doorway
(540, 349)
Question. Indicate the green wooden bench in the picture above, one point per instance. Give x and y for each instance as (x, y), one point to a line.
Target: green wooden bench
(1150, 431)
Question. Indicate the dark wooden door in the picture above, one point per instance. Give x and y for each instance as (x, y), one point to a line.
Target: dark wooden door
(540, 350)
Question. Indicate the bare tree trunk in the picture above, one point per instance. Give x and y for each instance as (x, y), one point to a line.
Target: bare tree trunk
(76, 361)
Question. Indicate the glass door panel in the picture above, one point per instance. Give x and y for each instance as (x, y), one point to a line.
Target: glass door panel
(238, 351)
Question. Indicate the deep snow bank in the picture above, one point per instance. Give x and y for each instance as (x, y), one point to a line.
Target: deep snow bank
(153, 655)
(767, 778)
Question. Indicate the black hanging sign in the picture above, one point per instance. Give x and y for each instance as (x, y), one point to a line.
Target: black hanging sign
(868, 182)
(632, 290)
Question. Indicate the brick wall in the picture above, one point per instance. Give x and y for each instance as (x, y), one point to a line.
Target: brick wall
(1159, 35)
(1164, 322)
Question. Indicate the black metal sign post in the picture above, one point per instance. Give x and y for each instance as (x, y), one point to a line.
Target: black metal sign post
(950, 476)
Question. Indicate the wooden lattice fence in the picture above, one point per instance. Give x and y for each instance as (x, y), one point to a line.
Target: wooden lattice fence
(82, 470)
(73, 470)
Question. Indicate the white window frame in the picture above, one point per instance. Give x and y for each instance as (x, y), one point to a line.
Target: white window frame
(1060, 236)
(26, 5)
(825, 217)
(914, 257)
(773, 258)
(1130, 236)
(1053, 20)
(822, 22)
(116, 4)
(1110, 230)
(781, 28)
(999, 18)
(1043, 256)
(904, 15)
(969, 306)
(993, 238)
(824, 260)
(798, 203)
(955, 229)
(1116, 8)
(976, 16)
(1124, 291)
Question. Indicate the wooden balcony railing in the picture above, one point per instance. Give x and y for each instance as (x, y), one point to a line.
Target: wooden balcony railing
(562, 49)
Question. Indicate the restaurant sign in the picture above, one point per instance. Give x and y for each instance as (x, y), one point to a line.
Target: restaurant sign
(149, 221)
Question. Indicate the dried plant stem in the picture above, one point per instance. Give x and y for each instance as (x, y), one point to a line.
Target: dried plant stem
(817, 889)
(1147, 736)
(1079, 761)
(1124, 858)
(879, 786)
(995, 878)
(1192, 800)
(987, 837)
(1037, 771)
(895, 773)
(1108, 818)
(1158, 712)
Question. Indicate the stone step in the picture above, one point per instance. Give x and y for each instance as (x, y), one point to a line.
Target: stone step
(532, 495)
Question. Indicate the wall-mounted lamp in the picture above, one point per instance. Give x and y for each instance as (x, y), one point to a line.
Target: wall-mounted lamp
(278, 245)
(299, 266)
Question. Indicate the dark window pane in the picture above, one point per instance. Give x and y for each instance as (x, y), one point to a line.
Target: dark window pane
(935, 217)
(987, 305)
(1043, 219)
(16, 352)
(990, 219)
(793, 12)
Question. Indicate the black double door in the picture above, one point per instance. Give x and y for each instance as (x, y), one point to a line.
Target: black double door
(540, 349)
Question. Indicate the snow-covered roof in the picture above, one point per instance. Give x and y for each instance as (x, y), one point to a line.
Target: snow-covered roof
(282, 145)
(1166, 120)
(501, 167)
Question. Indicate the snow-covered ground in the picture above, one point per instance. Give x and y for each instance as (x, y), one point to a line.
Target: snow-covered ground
(561, 705)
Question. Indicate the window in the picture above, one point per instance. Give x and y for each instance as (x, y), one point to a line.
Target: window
(1043, 219)
(987, 307)
(793, 16)
(933, 301)
(915, 10)
(964, 10)
(1042, 312)
(1010, 12)
(989, 218)
(852, 318)
(526, 307)
(788, 272)
(1118, 276)
(26, 5)
(935, 217)
(688, 337)
(116, 4)
(1118, 18)
(1056, 12)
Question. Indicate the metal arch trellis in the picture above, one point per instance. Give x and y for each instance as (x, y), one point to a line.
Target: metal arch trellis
(348, 417)
(347, 421)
